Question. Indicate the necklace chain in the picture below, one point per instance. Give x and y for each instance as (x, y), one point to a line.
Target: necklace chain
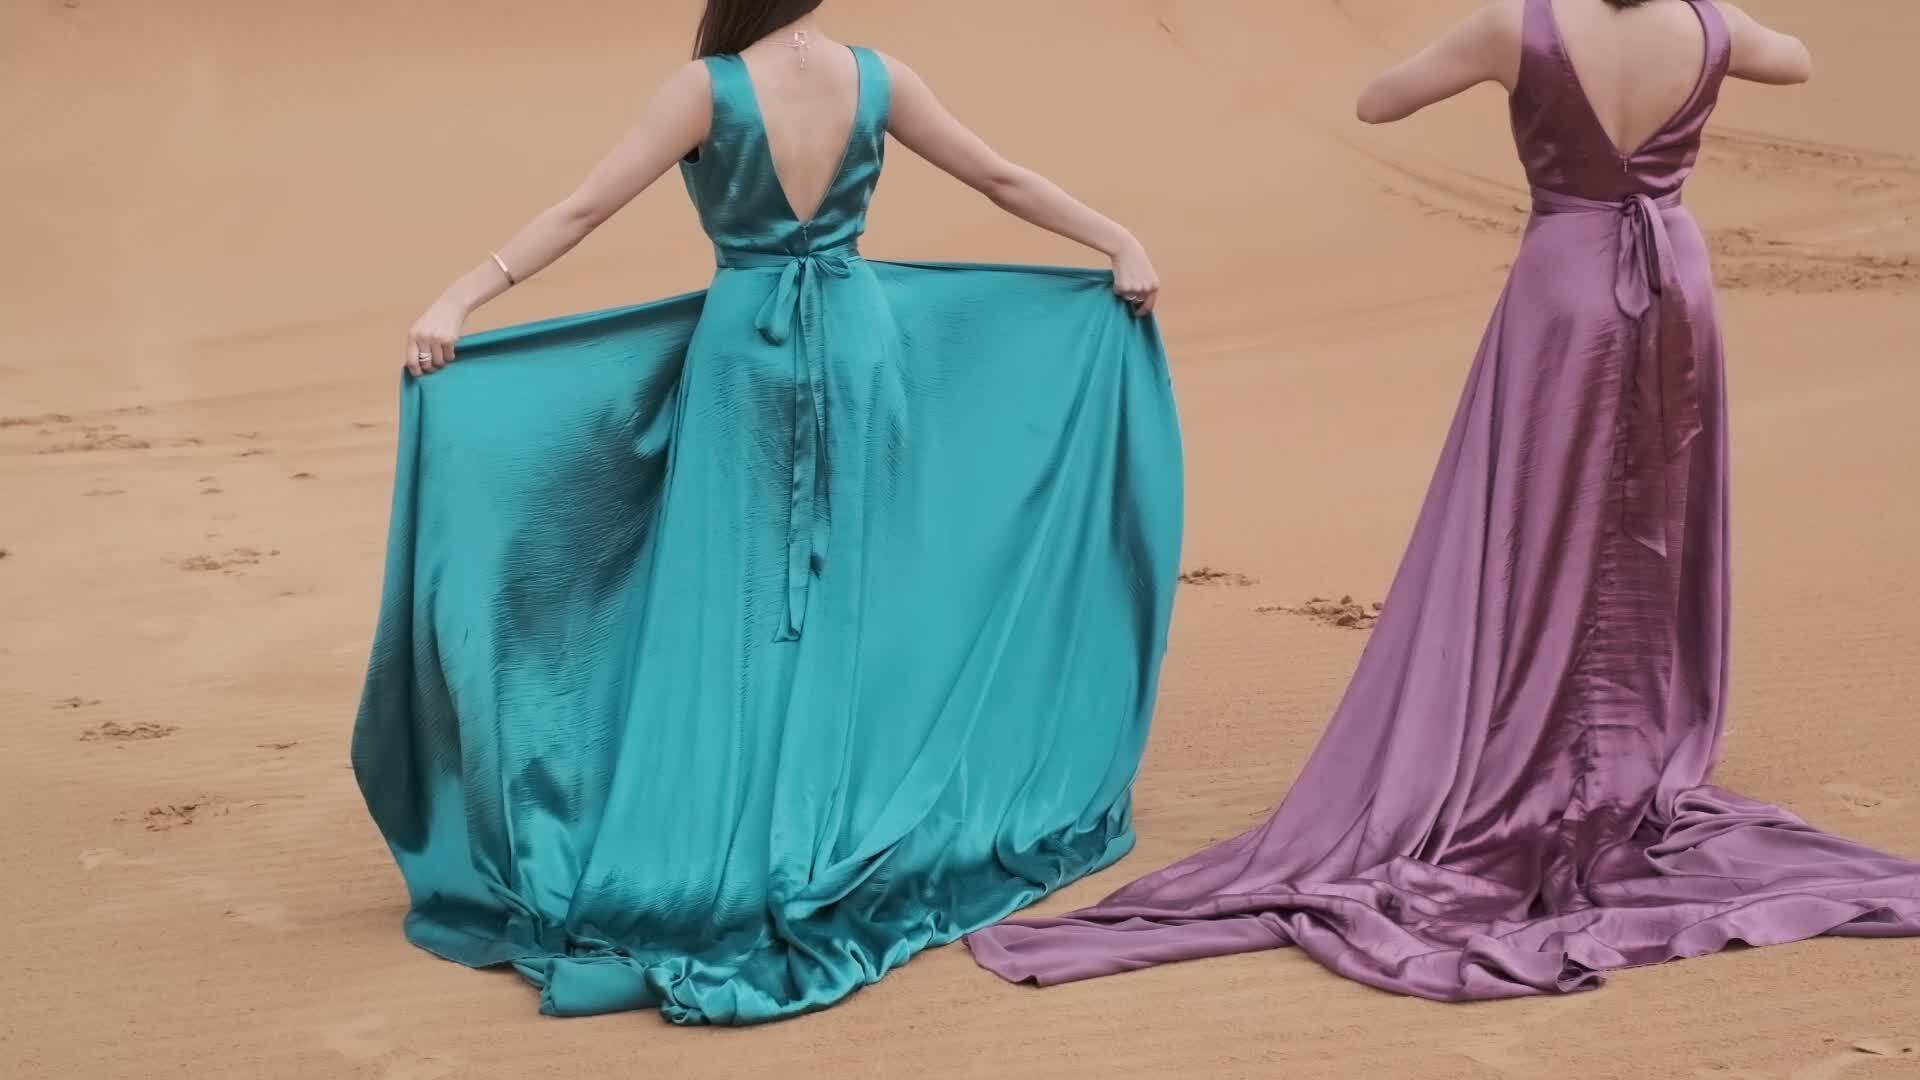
(801, 44)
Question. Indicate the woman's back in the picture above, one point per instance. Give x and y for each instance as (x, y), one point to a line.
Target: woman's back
(793, 153)
(1608, 102)
(1639, 66)
(1608, 96)
(809, 96)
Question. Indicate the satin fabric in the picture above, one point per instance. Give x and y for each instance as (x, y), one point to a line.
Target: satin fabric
(1512, 796)
(736, 647)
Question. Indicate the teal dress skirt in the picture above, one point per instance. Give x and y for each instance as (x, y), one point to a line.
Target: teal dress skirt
(736, 647)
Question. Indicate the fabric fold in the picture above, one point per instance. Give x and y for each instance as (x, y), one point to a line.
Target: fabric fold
(592, 751)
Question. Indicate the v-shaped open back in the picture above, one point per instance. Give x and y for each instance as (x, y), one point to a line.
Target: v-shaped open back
(735, 181)
(1621, 147)
(1559, 134)
(819, 199)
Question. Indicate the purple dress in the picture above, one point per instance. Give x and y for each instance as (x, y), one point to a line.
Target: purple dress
(1511, 796)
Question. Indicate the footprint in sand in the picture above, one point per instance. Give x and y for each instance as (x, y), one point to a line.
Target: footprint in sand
(228, 563)
(1207, 575)
(1511, 1051)
(278, 760)
(95, 858)
(97, 437)
(114, 911)
(1875, 1050)
(120, 733)
(169, 816)
(1501, 1051)
(174, 815)
(364, 1042)
(266, 916)
(34, 421)
(1862, 802)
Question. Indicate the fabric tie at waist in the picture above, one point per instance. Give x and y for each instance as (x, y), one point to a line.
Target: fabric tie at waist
(794, 306)
(1664, 411)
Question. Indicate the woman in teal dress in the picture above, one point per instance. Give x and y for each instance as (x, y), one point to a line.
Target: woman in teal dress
(736, 647)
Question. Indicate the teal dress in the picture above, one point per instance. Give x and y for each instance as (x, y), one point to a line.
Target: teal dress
(736, 647)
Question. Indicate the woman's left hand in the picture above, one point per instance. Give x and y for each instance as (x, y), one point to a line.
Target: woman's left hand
(430, 343)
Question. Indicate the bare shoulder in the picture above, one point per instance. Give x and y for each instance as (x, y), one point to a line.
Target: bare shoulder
(685, 100)
(692, 77)
(1495, 29)
(1496, 24)
(1762, 54)
(897, 69)
(1505, 19)
(1733, 13)
(1739, 23)
(682, 109)
(1495, 32)
(912, 100)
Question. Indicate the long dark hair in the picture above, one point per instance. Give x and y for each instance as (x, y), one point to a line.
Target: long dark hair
(729, 26)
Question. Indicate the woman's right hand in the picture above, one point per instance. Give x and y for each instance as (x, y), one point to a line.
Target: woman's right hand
(1134, 278)
(431, 342)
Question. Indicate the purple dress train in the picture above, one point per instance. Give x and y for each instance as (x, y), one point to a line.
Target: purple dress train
(1511, 795)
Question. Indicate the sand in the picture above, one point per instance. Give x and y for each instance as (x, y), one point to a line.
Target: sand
(220, 216)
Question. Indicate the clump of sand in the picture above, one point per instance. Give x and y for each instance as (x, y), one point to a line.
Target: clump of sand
(1345, 612)
(1207, 575)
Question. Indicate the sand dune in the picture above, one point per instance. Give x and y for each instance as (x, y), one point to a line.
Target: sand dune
(221, 214)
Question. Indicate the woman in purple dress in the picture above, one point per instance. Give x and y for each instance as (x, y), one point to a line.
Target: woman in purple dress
(1511, 797)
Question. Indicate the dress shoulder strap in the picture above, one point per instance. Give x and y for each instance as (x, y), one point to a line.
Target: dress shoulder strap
(732, 93)
(1541, 62)
(1719, 39)
(876, 90)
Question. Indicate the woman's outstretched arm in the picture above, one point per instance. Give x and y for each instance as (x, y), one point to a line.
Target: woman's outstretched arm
(1765, 56)
(673, 124)
(1483, 48)
(923, 125)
